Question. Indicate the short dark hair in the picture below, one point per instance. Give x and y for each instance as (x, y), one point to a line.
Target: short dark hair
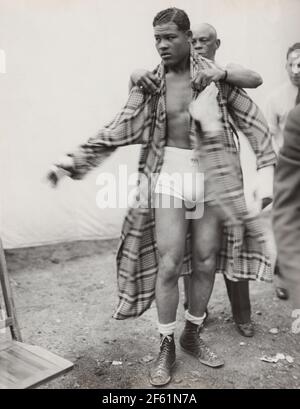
(294, 47)
(173, 15)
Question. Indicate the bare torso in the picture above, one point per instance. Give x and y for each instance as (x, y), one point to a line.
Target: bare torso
(179, 96)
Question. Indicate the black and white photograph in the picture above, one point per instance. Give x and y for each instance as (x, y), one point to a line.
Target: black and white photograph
(150, 197)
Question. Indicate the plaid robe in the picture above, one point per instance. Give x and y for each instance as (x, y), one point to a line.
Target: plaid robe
(243, 253)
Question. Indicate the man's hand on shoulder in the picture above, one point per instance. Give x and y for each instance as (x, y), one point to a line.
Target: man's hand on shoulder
(205, 77)
(146, 80)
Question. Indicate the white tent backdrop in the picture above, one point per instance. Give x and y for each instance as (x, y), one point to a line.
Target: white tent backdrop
(67, 69)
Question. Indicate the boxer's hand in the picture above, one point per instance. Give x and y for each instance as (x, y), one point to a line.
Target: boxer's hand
(55, 174)
(62, 169)
(205, 77)
(206, 110)
(146, 80)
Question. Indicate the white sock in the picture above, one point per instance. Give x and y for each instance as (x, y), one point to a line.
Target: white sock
(193, 319)
(166, 329)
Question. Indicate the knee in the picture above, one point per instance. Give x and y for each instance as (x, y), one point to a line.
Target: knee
(170, 267)
(205, 264)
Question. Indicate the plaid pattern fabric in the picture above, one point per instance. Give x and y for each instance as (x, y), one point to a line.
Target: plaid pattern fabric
(143, 120)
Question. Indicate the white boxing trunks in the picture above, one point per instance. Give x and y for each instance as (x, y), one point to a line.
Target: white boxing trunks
(181, 176)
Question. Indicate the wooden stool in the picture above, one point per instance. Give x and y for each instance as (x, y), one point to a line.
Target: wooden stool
(22, 365)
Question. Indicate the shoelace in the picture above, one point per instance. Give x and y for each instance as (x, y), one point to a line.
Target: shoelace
(164, 350)
(168, 337)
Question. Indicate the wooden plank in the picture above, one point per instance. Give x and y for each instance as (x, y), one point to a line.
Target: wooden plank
(7, 294)
(5, 344)
(14, 372)
(27, 357)
(25, 366)
(45, 354)
(6, 383)
(11, 370)
(39, 379)
(23, 361)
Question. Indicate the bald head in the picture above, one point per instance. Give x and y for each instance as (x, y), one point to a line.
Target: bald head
(205, 40)
(205, 28)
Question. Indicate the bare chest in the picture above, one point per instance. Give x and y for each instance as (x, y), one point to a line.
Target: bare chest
(178, 94)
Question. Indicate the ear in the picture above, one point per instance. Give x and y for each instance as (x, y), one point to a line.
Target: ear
(189, 34)
(218, 42)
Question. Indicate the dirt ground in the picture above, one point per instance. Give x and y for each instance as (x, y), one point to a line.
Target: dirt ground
(65, 296)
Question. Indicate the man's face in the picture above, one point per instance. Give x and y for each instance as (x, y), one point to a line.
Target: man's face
(205, 42)
(293, 67)
(172, 44)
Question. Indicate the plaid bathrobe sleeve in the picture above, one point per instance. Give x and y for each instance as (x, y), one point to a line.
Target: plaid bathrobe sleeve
(128, 127)
(250, 120)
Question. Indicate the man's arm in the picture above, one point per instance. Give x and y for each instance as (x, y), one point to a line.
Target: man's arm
(242, 77)
(127, 128)
(232, 74)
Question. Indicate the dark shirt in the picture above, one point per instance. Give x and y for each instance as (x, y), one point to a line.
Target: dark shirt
(286, 207)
